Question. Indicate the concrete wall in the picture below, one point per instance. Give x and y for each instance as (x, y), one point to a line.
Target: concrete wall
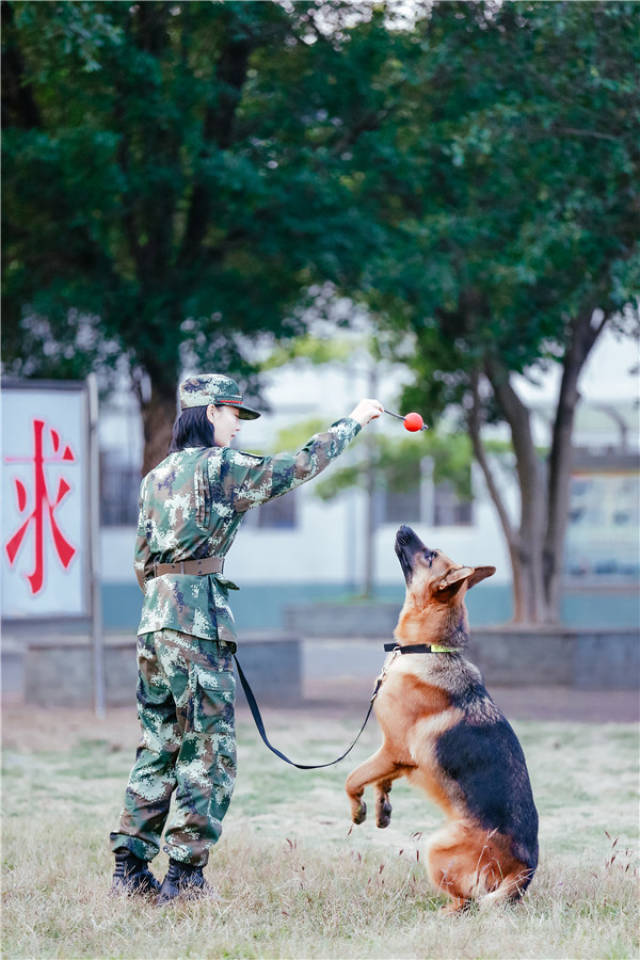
(58, 672)
(586, 660)
(589, 659)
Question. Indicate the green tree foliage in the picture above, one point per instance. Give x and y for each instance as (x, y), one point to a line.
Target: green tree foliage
(515, 198)
(397, 463)
(515, 205)
(176, 176)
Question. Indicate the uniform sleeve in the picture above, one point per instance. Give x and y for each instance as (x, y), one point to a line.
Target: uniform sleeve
(248, 481)
(141, 554)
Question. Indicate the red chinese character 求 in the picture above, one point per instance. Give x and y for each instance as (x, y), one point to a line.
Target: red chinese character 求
(42, 505)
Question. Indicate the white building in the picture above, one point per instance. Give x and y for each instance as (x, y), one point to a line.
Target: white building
(301, 548)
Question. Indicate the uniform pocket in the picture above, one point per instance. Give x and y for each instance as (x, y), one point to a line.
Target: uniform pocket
(214, 697)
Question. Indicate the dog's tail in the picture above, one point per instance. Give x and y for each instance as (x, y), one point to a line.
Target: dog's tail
(510, 889)
(501, 878)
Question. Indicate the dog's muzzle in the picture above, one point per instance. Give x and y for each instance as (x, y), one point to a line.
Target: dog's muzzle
(407, 545)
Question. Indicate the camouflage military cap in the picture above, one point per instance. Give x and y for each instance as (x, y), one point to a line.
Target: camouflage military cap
(214, 388)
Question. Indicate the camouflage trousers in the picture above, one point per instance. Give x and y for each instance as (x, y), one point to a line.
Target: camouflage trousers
(186, 693)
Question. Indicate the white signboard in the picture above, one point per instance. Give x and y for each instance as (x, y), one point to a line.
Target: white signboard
(46, 562)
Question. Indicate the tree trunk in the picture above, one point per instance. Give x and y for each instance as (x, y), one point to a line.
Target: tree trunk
(529, 605)
(536, 547)
(524, 541)
(526, 546)
(583, 335)
(158, 415)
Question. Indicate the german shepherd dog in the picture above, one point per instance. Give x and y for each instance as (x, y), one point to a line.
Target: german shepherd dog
(445, 734)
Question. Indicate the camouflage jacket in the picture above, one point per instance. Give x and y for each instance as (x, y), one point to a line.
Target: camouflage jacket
(191, 506)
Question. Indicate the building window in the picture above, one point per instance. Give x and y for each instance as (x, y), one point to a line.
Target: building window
(119, 491)
(278, 514)
(448, 509)
(436, 504)
(604, 516)
(402, 506)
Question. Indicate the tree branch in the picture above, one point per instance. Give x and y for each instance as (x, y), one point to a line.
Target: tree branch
(218, 124)
(582, 337)
(128, 218)
(157, 207)
(528, 466)
(515, 412)
(367, 123)
(575, 132)
(19, 107)
(473, 422)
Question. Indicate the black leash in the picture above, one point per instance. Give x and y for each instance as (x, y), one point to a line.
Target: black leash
(257, 716)
(255, 710)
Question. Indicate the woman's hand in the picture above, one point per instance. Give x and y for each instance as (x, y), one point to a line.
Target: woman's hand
(366, 411)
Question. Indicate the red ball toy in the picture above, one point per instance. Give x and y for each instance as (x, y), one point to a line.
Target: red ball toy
(413, 422)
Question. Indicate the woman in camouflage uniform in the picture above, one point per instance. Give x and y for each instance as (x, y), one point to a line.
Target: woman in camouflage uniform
(191, 506)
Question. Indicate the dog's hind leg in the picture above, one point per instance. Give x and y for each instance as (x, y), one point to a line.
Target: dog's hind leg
(470, 863)
(451, 865)
(379, 769)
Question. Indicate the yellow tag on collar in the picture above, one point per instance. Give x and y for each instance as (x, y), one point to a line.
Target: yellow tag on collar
(436, 649)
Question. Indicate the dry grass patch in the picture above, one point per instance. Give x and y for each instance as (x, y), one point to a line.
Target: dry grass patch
(294, 880)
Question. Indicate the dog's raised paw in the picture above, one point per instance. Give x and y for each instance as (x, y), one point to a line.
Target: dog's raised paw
(361, 814)
(383, 815)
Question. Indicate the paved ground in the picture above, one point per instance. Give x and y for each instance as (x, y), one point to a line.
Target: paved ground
(344, 673)
(30, 727)
(337, 683)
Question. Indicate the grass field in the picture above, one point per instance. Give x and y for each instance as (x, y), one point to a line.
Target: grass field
(294, 880)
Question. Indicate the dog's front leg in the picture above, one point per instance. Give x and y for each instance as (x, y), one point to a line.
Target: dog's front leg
(379, 767)
(382, 790)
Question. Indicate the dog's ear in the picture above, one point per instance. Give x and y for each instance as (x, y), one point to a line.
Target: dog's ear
(480, 573)
(449, 585)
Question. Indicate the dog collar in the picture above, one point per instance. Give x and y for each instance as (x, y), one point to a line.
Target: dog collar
(417, 648)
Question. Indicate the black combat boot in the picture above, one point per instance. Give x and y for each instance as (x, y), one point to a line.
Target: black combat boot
(132, 875)
(184, 880)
